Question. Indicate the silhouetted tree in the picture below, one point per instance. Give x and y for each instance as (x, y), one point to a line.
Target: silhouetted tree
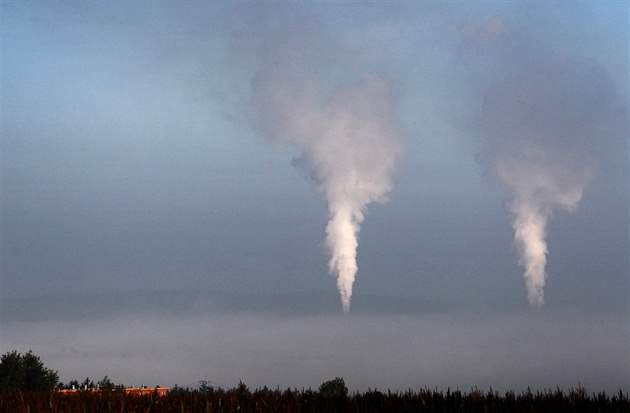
(333, 388)
(87, 384)
(241, 389)
(205, 387)
(26, 372)
(105, 384)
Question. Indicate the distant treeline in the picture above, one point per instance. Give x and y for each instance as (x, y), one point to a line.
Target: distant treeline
(26, 385)
(331, 399)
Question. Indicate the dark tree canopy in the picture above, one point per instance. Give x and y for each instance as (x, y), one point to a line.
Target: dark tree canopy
(106, 384)
(88, 384)
(334, 388)
(25, 372)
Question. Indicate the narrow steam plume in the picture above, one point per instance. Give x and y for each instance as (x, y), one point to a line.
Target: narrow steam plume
(350, 145)
(539, 185)
(543, 127)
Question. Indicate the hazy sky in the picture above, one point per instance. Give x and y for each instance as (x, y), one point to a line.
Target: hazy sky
(198, 150)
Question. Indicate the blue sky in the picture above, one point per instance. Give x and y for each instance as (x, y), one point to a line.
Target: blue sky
(137, 157)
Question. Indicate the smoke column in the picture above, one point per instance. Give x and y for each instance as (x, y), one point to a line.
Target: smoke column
(543, 125)
(350, 145)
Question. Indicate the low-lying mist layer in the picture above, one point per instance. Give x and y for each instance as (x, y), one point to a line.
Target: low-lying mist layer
(389, 351)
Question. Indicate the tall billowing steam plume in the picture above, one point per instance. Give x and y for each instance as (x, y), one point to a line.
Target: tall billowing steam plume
(543, 123)
(350, 145)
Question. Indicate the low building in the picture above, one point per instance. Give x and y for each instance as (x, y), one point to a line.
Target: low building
(135, 391)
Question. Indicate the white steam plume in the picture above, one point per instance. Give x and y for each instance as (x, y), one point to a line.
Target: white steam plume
(350, 144)
(544, 120)
(543, 126)
(539, 185)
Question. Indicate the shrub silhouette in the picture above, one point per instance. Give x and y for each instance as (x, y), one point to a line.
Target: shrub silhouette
(333, 388)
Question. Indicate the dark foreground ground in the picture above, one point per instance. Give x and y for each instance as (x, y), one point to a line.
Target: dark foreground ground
(264, 400)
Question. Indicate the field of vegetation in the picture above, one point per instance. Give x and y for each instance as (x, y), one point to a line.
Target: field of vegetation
(240, 399)
(27, 386)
